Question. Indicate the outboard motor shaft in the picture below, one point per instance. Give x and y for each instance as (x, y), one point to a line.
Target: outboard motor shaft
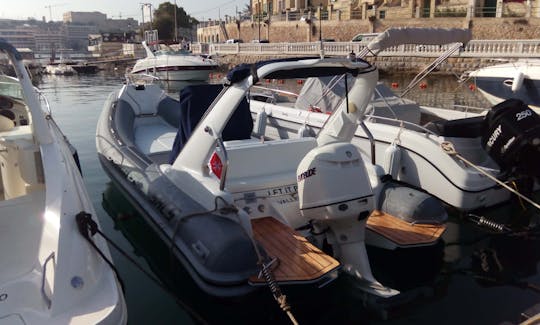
(335, 193)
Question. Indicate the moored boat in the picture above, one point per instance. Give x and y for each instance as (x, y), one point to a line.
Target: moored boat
(51, 272)
(169, 65)
(423, 147)
(85, 68)
(59, 69)
(231, 205)
(519, 79)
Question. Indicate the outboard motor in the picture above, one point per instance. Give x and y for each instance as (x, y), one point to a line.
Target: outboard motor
(512, 137)
(335, 194)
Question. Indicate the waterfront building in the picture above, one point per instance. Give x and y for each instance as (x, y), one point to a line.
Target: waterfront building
(118, 25)
(77, 35)
(341, 20)
(49, 43)
(100, 21)
(88, 18)
(274, 7)
(69, 37)
(20, 36)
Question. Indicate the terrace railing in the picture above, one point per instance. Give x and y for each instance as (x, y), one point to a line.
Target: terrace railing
(475, 48)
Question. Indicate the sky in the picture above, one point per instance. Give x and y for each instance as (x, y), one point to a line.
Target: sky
(115, 9)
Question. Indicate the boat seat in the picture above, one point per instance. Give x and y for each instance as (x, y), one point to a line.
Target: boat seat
(194, 101)
(124, 117)
(6, 124)
(470, 127)
(19, 166)
(150, 133)
(143, 102)
(153, 135)
(168, 110)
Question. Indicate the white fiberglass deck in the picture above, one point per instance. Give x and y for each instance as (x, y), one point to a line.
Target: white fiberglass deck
(21, 221)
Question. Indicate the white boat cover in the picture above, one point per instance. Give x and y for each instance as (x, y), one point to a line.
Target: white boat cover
(323, 93)
(435, 36)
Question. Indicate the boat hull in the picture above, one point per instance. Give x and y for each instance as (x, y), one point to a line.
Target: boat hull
(151, 215)
(141, 181)
(176, 67)
(520, 79)
(423, 163)
(85, 69)
(179, 75)
(50, 273)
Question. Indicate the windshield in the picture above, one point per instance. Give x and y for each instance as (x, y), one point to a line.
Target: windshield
(9, 86)
(172, 52)
(318, 94)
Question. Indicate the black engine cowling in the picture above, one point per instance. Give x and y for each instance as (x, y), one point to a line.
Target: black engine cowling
(512, 137)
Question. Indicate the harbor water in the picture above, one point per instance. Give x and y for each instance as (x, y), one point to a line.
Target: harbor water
(471, 277)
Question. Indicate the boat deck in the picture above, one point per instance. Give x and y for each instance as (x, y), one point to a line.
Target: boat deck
(298, 259)
(402, 232)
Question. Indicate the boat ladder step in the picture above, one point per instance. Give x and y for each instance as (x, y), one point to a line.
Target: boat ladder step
(402, 232)
(299, 261)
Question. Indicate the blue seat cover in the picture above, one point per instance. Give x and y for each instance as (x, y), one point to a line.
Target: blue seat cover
(194, 101)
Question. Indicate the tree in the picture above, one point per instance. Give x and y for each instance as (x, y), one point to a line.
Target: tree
(164, 20)
(246, 12)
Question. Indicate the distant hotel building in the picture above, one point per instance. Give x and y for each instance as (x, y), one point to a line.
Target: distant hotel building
(100, 21)
(84, 18)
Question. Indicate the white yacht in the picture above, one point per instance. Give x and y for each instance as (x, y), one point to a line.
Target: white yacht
(169, 65)
(54, 270)
(519, 79)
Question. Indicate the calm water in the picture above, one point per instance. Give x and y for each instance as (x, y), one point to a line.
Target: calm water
(445, 284)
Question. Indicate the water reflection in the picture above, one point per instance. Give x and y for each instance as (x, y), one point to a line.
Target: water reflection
(257, 308)
(432, 279)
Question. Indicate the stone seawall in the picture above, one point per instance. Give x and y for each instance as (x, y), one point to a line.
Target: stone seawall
(299, 31)
(385, 64)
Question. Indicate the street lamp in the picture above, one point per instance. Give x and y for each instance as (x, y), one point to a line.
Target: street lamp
(175, 24)
(320, 22)
(259, 19)
(190, 29)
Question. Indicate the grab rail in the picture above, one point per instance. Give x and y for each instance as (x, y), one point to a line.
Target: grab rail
(371, 140)
(389, 119)
(45, 101)
(44, 274)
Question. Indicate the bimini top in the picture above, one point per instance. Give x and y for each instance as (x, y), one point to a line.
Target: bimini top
(415, 35)
(293, 68)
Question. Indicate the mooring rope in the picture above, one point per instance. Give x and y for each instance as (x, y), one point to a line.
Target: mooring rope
(280, 298)
(88, 228)
(448, 147)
